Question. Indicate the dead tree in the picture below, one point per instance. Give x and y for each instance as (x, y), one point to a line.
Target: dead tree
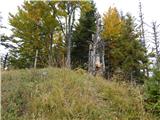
(142, 35)
(156, 43)
(96, 63)
(142, 32)
(5, 60)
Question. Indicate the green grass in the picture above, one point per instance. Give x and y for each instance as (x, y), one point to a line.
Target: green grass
(61, 94)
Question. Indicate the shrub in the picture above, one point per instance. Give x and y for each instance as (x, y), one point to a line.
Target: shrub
(152, 93)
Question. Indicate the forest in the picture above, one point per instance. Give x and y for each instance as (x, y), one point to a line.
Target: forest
(70, 40)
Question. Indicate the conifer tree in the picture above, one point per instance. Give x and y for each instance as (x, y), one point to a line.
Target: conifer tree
(82, 37)
(111, 34)
(152, 93)
(123, 51)
(134, 53)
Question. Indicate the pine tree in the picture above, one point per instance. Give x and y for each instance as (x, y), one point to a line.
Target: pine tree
(82, 37)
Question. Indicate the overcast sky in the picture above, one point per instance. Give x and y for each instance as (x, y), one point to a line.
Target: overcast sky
(151, 8)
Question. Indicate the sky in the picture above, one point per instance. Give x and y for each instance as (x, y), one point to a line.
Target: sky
(150, 9)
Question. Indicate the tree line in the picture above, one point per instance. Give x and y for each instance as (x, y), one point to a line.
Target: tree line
(49, 33)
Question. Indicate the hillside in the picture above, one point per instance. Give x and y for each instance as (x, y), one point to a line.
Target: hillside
(61, 94)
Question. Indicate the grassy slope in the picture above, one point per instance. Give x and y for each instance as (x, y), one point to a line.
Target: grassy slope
(67, 95)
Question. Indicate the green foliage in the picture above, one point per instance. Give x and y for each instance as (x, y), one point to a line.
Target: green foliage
(34, 26)
(37, 26)
(135, 59)
(63, 94)
(82, 37)
(152, 93)
(123, 49)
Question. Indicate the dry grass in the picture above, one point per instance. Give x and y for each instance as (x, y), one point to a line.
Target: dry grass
(61, 94)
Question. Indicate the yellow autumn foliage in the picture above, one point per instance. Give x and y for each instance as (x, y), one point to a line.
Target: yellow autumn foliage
(112, 23)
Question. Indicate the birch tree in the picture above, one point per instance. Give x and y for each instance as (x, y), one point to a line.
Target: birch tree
(66, 18)
(34, 26)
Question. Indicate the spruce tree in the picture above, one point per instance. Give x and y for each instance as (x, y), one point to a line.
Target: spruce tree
(82, 36)
(134, 53)
(123, 49)
(152, 93)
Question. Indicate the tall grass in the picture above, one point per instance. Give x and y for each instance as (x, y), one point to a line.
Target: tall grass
(61, 94)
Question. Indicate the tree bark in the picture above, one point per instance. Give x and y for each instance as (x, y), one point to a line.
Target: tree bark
(50, 50)
(142, 35)
(35, 60)
(96, 52)
(5, 61)
(156, 43)
(103, 59)
(143, 42)
(69, 43)
(69, 28)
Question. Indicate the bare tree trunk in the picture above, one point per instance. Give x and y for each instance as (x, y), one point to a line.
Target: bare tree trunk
(96, 63)
(143, 42)
(142, 35)
(156, 43)
(103, 59)
(69, 27)
(35, 60)
(5, 61)
(89, 59)
(94, 59)
(50, 50)
(68, 62)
